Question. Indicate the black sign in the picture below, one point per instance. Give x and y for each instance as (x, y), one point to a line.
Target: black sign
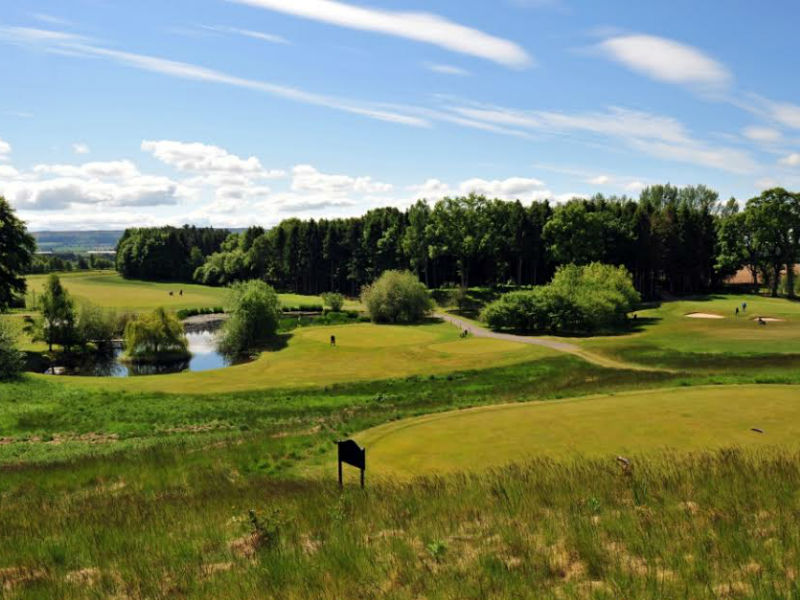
(352, 454)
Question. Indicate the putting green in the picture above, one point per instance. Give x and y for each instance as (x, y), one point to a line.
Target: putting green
(669, 338)
(367, 336)
(627, 424)
(473, 345)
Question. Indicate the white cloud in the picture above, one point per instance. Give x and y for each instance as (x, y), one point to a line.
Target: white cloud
(67, 192)
(306, 178)
(80, 148)
(447, 69)
(256, 35)
(5, 149)
(8, 171)
(600, 180)
(72, 45)
(512, 188)
(666, 60)
(418, 26)
(195, 156)
(792, 160)
(635, 186)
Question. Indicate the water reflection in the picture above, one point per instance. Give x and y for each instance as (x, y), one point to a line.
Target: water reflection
(202, 340)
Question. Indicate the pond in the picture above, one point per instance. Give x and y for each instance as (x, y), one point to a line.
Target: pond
(202, 338)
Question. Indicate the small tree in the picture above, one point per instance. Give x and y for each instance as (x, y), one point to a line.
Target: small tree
(58, 315)
(255, 310)
(95, 324)
(397, 297)
(157, 336)
(334, 300)
(12, 361)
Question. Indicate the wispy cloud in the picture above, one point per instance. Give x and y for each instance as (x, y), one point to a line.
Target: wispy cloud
(447, 69)
(417, 26)
(666, 60)
(792, 160)
(80, 148)
(656, 135)
(73, 45)
(5, 149)
(249, 33)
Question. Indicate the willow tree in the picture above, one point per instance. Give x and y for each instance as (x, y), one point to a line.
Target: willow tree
(157, 336)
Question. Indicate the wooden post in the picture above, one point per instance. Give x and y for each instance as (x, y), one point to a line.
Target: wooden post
(362, 478)
(341, 483)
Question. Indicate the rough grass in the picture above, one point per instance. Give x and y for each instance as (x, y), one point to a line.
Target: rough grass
(653, 422)
(363, 351)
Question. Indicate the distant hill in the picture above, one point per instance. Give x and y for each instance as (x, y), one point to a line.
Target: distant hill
(76, 241)
(81, 242)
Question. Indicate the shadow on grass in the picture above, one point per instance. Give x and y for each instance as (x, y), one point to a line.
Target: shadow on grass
(277, 343)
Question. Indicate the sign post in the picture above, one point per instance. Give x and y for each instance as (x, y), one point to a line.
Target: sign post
(352, 454)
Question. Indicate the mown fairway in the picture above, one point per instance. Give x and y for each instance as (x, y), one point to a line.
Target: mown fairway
(363, 352)
(671, 339)
(109, 289)
(677, 420)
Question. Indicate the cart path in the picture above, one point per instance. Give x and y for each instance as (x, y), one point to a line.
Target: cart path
(596, 359)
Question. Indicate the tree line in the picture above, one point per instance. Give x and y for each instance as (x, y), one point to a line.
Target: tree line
(680, 240)
(666, 238)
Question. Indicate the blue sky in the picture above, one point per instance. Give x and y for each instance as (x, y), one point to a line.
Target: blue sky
(239, 112)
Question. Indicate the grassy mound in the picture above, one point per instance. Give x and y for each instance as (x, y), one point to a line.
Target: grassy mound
(677, 420)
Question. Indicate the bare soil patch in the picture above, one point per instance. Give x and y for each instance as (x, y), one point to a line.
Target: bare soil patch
(769, 319)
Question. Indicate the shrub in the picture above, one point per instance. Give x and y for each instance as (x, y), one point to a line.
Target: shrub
(12, 361)
(255, 314)
(397, 297)
(577, 300)
(157, 336)
(334, 300)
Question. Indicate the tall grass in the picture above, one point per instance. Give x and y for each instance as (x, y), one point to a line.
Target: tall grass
(703, 526)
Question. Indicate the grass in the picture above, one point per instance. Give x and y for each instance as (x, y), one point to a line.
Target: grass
(363, 352)
(668, 338)
(143, 487)
(653, 422)
(109, 289)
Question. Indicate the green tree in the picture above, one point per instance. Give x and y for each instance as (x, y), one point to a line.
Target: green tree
(17, 247)
(156, 336)
(57, 314)
(772, 219)
(12, 361)
(254, 310)
(397, 297)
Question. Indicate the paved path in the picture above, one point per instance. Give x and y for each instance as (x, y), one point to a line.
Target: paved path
(597, 359)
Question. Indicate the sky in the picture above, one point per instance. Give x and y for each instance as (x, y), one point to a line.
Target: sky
(115, 113)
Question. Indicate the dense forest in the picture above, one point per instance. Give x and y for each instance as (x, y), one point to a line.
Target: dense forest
(680, 240)
(166, 253)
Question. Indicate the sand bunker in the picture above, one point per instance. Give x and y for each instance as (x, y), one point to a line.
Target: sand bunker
(703, 316)
(769, 319)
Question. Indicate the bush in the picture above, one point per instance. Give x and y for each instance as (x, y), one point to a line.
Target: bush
(12, 361)
(255, 314)
(578, 300)
(334, 300)
(397, 297)
(157, 336)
